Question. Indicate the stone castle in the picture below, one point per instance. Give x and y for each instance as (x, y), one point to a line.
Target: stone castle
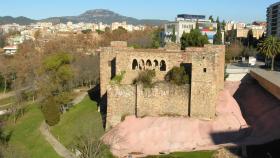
(197, 99)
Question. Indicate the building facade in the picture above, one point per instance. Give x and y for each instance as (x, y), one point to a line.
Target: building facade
(185, 23)
(273, 20)
(197, 99)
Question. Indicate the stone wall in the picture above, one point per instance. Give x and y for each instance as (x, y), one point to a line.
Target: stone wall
(207, 79)
(271, 87)
(121, 102)
(161, 100)
(207, 76)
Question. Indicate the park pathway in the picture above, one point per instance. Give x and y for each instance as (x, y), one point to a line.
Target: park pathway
(57, 146)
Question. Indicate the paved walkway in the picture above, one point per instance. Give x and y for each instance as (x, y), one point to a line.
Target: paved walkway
(272, 76)
(57, 146)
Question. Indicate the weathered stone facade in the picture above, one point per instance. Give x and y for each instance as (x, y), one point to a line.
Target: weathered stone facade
(207, 78)
(124, 100)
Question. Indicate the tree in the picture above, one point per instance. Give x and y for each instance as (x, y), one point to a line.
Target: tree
(146, 78)
(211, 18)
(86, 68)
(250, 38)
(218, 36)
(56, 69)
(157, 41)
(193, 39)
(2, 40)
(173, 36)
(223, 25)
(234, 50)
(177, 75)
(270, 47)
(87, 31)
(37, 34)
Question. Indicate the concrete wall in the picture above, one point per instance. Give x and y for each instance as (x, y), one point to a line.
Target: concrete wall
(161, 100)
(271, 87)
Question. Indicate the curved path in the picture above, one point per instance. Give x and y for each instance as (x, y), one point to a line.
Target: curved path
(57, 146)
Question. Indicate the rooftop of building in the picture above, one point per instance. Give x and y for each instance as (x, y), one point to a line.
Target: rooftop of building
(191, 16)
(274, 4)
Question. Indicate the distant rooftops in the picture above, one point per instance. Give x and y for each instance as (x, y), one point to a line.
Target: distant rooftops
(10, 48)
(189, 16)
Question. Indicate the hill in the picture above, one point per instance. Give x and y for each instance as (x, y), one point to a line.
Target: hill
(19, 20)
(104, 16)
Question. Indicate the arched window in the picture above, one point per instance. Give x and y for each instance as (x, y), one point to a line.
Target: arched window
(142, 65)
(148, 63)
(162, 65)
(134, 64)
(156, 63)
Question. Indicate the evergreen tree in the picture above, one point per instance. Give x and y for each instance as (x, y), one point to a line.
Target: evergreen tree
(250, 38)
(211, 18)
(57, 71)
(223, 24)
(193, 39)
(218, 36)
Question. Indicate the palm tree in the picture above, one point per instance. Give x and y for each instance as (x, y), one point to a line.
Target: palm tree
(270, 47)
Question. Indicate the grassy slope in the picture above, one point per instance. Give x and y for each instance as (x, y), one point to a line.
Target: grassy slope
(27, 138)
(196, 154)
(81, 120)
(84, 119)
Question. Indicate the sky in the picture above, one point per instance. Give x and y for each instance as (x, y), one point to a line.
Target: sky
(237, 10)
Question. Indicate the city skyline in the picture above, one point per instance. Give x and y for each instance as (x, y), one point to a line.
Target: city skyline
(246, 11)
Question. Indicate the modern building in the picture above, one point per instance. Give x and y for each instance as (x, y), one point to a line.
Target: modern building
(273, 20)
(189, 16)
(185, 23)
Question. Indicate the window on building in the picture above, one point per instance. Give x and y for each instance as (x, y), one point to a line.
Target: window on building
(134, 64)
(148, 63)
(142, 65)
(156, 63)
(204, 70)
(162, 65)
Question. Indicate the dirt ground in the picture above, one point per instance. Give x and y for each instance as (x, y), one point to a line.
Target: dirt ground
(153, 135)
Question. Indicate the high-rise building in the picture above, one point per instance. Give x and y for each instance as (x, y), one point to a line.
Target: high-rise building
(273, 20)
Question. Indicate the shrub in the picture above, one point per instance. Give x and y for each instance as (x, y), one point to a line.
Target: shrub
(118, 78)
(146, 78)
(51, 112)
(177, 75)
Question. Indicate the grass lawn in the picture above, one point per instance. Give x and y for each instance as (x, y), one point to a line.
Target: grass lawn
(196, 154)
(82, 119)
(26, 137)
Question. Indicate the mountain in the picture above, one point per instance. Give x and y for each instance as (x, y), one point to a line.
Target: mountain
(19, 20)
(104, 16)
(96, 16)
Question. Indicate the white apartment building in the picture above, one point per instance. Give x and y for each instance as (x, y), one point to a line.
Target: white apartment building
(183, 24)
